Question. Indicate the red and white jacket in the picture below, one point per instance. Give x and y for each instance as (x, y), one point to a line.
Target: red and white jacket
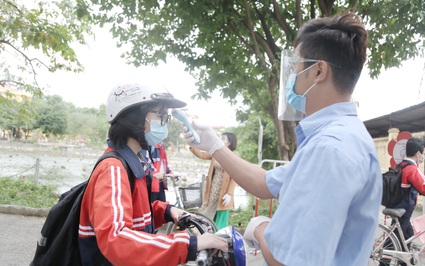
(160, 164)
(412, 182)
(118, 226)
(412, 175)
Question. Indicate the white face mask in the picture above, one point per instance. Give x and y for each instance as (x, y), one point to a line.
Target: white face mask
(157, 134)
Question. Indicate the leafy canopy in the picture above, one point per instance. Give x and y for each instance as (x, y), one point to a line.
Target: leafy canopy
(234, 45)
(39, 34)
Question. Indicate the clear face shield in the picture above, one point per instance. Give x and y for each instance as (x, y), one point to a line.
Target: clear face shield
(288, 64)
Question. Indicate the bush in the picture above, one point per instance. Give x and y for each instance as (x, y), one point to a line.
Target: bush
(240, 218)
(24, 193)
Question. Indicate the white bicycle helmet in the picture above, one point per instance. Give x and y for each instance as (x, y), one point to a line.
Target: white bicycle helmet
(127, 95)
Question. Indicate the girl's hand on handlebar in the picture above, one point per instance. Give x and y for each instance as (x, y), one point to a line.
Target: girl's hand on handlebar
(169, 176)
(211, 241)
(158, 176)
(176, 213)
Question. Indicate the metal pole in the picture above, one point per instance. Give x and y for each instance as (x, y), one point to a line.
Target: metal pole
(37, 170)
(260, 142)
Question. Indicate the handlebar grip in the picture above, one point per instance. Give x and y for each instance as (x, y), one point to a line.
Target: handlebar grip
(202, 258)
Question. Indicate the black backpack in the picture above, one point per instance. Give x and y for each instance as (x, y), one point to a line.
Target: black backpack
(58, 244)
(392, 192)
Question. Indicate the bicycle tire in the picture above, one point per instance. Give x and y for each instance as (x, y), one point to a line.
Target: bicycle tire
(171, 227)
(384, 240)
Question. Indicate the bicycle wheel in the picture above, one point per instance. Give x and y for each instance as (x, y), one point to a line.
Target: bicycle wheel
(384, 240)
(171, 227)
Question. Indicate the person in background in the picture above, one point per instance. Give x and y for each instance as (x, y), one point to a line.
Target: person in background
(412, 182)
(117, 222)
(161, 169)
(218, 198)
(330, 193)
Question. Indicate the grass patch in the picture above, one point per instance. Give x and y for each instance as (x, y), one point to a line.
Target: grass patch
(24, 193)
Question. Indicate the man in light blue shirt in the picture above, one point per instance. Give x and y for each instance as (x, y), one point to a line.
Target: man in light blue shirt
(330, 193)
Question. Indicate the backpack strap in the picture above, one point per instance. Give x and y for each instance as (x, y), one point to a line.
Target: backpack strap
(401, 166)
(114, 154)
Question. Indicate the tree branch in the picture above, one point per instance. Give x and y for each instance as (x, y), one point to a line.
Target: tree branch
(353, 7)
(282, 23)
(13, 5)
(265, 45)
(248, 23)
(326, 7)
(312, 9)
(6, 81)
(29, 60)
(272, 50)
(298, 13)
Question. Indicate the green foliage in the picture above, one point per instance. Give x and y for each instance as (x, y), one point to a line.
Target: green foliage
(234, 46)
(54, 118)
(174, 139)
(17, 115)
(39, 35)
(396, 32)
(248, 135)
(23, 193)
(241, 217)
(51, 115)
(87, 124)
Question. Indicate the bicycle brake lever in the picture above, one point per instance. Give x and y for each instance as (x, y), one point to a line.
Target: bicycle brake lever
(182, 224)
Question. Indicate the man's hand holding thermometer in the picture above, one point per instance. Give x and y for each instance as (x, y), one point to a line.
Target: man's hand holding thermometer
(199, 136)
(187, 122)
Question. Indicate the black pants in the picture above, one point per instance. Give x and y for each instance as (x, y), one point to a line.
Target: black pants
(406, 227)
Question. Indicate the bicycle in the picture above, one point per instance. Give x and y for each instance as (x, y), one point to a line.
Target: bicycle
(190, 199)
(391, 250)
(236, 255)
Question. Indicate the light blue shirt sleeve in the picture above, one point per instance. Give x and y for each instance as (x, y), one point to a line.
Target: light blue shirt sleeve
(274, 179)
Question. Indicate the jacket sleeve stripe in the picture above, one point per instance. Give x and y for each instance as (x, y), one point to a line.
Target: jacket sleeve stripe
(116, 199)
(158, 241)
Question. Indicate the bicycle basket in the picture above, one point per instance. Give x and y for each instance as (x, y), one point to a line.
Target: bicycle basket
(191, 196)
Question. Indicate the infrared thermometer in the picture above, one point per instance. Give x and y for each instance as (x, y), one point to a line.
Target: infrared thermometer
(187, 122)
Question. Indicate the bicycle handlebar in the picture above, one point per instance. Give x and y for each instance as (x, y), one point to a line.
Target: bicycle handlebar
(203, 257)
(174, 178)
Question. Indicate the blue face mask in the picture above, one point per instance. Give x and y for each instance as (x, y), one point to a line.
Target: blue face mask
(157, 134)
(296, 101)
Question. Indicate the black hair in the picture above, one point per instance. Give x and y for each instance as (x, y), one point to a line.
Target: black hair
(413, 146)
(341, 41)
(233, 143)
(129, 124)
